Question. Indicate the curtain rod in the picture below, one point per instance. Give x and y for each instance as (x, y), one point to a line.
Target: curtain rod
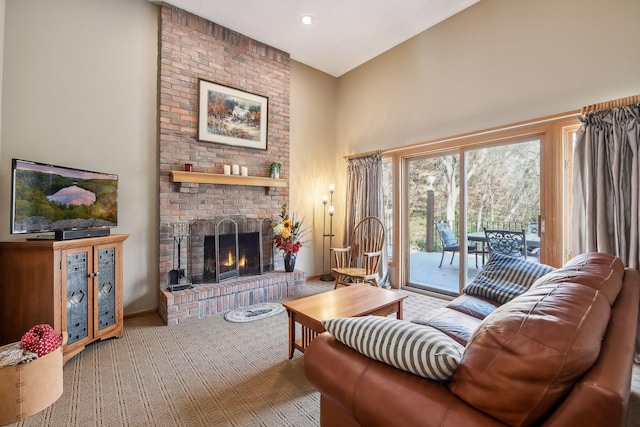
(616, 103)
(358, 156)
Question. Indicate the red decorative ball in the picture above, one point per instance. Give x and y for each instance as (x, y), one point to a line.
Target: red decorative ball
(41, 339)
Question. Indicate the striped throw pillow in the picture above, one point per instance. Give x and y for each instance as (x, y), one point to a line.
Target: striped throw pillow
(504, 278)
(421, 350)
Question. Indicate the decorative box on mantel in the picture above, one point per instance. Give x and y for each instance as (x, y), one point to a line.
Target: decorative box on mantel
(209, 299)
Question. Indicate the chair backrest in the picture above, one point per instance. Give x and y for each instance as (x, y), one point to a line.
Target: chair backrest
(447, 238)
(507, 242)
(367, 236)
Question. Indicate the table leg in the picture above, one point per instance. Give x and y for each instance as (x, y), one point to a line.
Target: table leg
(399, 312)
(292, 333)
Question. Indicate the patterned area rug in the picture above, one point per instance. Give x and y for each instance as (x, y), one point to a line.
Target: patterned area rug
(254, 312)
(207, 373)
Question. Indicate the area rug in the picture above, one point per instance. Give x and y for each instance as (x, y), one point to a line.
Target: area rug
(254, 312)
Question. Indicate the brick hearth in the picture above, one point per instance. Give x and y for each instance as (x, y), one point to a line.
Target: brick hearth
(210, 299)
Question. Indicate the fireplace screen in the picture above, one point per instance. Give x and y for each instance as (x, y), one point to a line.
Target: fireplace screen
(230, 247)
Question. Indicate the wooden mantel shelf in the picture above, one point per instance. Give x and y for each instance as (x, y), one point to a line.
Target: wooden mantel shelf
(216, 178)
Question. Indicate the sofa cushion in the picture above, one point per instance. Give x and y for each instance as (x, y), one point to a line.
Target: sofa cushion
(473, 306)
(418, 349)
(527, 355)
(504, 278)
(458, 325)
(597, 270)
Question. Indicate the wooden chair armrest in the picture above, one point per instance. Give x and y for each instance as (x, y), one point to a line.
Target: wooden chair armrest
(341, 256)
(371, 261)
(347, 249)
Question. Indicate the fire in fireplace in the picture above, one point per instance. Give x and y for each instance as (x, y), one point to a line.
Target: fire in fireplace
(231, 257)
(230, 247)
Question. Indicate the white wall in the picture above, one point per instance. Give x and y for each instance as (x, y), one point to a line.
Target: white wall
(495, 63)
(79, 90)
(313, 151)
(3, 4)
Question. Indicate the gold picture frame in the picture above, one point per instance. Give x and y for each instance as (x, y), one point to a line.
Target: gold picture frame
(231, 116)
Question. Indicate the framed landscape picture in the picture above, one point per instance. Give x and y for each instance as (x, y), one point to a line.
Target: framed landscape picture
(231, 116)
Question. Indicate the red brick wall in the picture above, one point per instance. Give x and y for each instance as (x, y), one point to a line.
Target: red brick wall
(192, 48)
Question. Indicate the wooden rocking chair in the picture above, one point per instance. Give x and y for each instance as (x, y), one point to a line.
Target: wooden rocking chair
(358, 262)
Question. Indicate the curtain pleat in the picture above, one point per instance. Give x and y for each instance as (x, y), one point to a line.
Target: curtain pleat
(606, 186)
(364, 198)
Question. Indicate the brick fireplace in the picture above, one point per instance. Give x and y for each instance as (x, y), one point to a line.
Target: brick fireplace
(193, 48)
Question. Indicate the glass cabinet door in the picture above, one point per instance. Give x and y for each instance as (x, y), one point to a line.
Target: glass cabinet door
(106, 288)
(77, 295)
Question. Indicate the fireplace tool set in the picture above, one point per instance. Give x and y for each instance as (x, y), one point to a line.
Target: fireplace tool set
(176, 276)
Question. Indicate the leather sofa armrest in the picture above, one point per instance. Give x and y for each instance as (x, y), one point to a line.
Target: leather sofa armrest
(376, 394)
(601, 396)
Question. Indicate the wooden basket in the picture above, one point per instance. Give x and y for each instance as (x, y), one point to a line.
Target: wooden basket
(29, 388)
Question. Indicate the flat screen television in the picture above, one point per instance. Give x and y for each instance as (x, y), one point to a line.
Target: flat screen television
(70, 202)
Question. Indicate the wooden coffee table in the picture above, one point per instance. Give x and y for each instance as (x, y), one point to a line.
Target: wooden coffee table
(350, 301)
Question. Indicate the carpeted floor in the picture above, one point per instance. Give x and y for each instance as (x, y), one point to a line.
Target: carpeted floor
(206, 373)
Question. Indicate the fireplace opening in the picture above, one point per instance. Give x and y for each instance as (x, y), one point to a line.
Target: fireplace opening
(230, 247)
(227, 262)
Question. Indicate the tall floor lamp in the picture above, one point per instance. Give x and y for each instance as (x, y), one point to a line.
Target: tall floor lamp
(327, 277)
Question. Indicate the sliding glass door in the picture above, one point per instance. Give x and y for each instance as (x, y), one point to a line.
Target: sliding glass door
(503, 193)
(433, 215)
(499, 186)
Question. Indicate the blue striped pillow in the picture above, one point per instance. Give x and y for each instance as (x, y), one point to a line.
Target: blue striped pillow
(421, 350)
(504, 278)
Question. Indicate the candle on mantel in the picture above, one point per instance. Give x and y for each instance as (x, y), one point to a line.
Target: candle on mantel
(227, 170)
(235, 169)
(245, 171)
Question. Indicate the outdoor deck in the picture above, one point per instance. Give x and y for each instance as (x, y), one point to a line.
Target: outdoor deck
(425, 274)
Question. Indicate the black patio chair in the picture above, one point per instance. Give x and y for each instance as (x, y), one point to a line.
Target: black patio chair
(507, 242)
(451, 244)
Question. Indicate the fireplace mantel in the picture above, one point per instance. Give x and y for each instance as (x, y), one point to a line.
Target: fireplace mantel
(216, 178)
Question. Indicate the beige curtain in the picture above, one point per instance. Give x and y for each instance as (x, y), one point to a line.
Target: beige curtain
(607, 186)
(364, 198)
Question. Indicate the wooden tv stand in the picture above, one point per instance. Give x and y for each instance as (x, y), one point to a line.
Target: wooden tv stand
(73, 285)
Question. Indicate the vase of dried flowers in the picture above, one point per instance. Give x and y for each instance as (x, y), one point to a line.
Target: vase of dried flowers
(289, 237)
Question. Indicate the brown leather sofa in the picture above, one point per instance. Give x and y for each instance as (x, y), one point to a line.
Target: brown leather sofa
(560, 354)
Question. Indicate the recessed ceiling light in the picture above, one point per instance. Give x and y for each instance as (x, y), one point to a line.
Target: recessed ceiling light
(306, 19)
